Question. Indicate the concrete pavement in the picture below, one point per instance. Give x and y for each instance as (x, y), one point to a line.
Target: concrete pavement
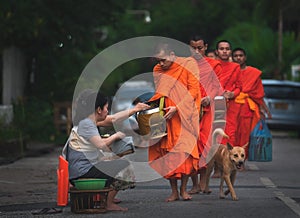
(29, 185)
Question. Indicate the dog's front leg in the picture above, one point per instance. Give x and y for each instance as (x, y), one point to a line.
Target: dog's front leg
(232, 179)
(230, 187)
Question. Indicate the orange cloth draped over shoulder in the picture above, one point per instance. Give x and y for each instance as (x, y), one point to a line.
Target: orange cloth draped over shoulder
(250, 99)
(209, 70)
(217, 68)
(177, 153)
(230, 79)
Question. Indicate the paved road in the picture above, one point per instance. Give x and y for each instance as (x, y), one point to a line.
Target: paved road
(266, 189)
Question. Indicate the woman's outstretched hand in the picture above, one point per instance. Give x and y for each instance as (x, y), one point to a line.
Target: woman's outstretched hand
(140, 107)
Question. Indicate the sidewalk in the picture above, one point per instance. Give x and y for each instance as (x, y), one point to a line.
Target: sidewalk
(33, 149)
(30, 182)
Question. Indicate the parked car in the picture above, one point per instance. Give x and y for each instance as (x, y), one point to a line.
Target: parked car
(283, 100)
(128, 92)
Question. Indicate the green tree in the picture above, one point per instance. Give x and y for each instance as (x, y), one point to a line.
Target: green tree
(261, 43)
(59, 35)
(56, 39)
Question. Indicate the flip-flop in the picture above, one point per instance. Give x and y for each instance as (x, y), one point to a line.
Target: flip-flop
(48, 211)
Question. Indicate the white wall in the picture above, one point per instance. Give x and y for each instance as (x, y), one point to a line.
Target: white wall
(13, 75)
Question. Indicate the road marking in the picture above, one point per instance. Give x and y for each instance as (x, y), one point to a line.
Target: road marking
(267, 182)
(252, 166)
(293, 205)
(7, 182)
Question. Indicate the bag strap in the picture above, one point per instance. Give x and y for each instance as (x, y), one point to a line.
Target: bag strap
(161, 105)
(65, 150)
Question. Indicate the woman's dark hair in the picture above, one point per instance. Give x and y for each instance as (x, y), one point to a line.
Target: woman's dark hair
(87, 103)
(100, 101)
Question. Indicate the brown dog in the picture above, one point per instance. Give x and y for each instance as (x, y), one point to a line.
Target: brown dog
(228, 160)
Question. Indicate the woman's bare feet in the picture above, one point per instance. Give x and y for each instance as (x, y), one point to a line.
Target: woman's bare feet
(117, 200)
(114, 207)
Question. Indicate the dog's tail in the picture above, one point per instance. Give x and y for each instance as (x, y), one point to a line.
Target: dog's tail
(215, 146)
(217, 132)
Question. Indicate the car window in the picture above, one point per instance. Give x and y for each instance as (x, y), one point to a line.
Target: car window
(132, 94)
(282, 92)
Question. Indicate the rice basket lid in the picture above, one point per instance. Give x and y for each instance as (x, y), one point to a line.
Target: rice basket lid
(150, 111)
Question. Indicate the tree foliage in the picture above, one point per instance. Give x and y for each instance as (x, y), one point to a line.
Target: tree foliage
(60, 37)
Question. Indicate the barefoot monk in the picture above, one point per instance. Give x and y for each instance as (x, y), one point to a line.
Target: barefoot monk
(175, 156)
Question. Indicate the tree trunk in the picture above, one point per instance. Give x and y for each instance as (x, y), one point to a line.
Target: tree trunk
(14, 75)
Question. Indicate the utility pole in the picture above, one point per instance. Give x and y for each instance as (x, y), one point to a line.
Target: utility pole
(280, 30)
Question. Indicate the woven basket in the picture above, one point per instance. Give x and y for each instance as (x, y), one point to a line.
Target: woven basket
(88, 201)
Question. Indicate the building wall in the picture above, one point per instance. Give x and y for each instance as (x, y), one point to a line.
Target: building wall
(13, 75)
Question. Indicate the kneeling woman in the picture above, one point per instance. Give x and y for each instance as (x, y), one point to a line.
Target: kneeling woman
(86, 148)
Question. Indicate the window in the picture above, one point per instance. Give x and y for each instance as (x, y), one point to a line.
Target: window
(282, 92)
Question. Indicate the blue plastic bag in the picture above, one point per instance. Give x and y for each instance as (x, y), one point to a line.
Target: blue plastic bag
(260, 148)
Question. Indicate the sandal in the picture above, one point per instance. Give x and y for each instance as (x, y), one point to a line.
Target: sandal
(48, 211)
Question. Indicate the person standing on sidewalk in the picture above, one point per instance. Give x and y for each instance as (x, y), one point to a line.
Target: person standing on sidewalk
(176, 156)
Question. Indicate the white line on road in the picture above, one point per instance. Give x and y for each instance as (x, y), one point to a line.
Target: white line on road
(280, 195)
(267, 182)
(252, 166)
(7, 182)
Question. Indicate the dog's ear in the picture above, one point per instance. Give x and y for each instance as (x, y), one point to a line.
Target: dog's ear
(245, 145)
(229, 146)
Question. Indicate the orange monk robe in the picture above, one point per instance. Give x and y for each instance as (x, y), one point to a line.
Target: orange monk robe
(230, 80)
(209, 70)
(177, 153)
(250, 99)
(217, 67)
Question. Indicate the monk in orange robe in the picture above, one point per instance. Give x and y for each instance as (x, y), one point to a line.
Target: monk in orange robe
(176, 156)
(209, 87)
(250, 98)
(232, 85)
